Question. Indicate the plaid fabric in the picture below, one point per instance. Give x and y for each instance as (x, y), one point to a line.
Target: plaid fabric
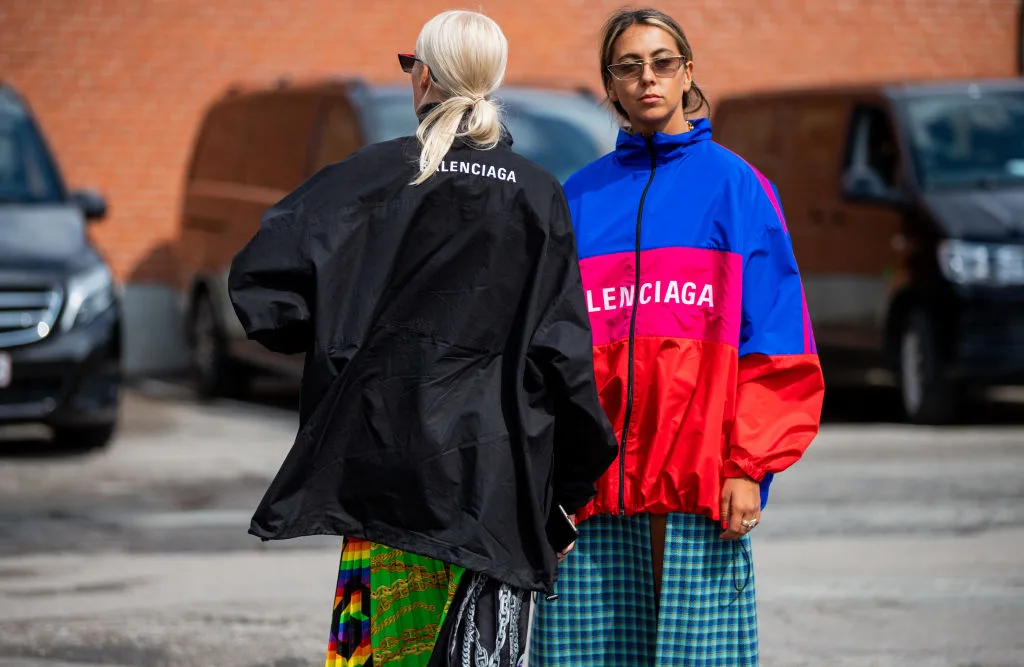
(605, 614)
(709, 609)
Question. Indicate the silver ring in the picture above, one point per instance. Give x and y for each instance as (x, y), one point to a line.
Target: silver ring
(748, 524)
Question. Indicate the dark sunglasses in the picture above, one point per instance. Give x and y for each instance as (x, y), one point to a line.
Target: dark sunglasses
(663, 67)
(408, 60)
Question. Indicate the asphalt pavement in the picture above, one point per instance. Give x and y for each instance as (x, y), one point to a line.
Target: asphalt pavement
(886, 545)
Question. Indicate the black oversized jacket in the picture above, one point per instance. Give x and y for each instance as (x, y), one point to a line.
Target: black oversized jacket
(449, 396)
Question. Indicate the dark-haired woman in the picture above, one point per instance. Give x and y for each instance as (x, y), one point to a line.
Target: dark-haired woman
(706, 365)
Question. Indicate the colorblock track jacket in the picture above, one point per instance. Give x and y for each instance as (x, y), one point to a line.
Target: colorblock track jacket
(704, 353)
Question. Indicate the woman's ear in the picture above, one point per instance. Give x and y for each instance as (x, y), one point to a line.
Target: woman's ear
(425, 78)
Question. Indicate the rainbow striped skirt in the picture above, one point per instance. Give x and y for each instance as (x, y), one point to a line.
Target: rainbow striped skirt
(392, 608)
(389, 606)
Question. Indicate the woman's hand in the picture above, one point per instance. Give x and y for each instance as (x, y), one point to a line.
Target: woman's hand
(741, 507)
(563, 554)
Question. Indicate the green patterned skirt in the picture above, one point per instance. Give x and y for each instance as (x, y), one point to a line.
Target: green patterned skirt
(389, 606)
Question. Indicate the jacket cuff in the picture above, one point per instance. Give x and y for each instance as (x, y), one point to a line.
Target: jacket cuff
(735, 468)
(576, 496)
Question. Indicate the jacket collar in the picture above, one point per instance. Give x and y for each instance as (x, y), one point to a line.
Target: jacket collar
(636, 149)
(505, 139)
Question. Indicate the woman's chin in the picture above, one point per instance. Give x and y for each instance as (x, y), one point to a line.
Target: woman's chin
(650, 119)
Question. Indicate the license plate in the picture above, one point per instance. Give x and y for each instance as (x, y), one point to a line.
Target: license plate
(5, 370)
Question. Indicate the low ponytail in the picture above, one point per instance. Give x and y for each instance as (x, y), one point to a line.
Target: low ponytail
(467, 54)
(483, 127)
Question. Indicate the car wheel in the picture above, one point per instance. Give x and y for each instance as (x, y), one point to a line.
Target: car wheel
(84, 437)
(215, 374)
(929, 397)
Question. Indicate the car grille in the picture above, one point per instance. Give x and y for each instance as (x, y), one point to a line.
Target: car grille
(27, 314)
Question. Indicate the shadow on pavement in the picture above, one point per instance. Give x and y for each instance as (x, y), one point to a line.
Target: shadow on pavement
(36, 443)
(882, 406)
(842, 406)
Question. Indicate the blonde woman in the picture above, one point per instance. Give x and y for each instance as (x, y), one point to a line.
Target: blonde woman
(449, 405)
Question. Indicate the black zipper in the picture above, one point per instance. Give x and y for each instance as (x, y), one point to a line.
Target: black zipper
(632, 333)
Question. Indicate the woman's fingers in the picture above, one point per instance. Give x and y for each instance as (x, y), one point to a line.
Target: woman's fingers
(726, 507)
(749, 522)
(741, 507)
(741, 524)
(730, 513)
(563, 554)
(741, 521)
(734, 530)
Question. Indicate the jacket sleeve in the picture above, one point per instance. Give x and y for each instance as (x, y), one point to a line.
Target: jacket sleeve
(271, 279)
(780, 384)
(562, 348)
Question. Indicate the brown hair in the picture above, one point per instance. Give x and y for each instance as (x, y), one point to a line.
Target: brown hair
(619, 22)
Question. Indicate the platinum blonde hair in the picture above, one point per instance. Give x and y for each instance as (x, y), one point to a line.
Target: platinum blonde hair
(466, 53)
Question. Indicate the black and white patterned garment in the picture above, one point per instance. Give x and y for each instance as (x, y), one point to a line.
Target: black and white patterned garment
(486, 625)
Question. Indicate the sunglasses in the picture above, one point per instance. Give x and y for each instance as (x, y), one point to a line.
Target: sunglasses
(408, 60)
(663, 67)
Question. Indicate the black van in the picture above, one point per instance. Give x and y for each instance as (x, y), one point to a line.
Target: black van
(905, 203)
(60, 312)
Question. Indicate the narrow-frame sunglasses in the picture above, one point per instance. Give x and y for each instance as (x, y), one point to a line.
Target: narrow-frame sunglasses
(408, 60)
(663, 67)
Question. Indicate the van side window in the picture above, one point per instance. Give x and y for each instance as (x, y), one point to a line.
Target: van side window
(338, 134)
(872, 158)
(219, 151)
(280, 130)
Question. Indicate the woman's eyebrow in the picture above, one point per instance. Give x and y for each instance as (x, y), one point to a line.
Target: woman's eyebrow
(636, 56)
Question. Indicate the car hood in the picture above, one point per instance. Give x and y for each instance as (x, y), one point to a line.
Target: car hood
(979, 215)
(42, 238)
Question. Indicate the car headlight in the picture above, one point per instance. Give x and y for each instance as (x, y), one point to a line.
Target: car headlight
(967, 263)
(89, 294)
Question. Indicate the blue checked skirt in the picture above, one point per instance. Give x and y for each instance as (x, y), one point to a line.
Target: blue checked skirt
(605, 614)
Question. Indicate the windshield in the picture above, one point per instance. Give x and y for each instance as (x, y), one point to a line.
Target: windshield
(561, 133)
(26, 173)
(968, 140)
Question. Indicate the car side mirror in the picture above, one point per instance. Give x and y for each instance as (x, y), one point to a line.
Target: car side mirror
(92, 203)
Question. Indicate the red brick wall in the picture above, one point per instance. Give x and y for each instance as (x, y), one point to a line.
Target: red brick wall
(120, 84)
